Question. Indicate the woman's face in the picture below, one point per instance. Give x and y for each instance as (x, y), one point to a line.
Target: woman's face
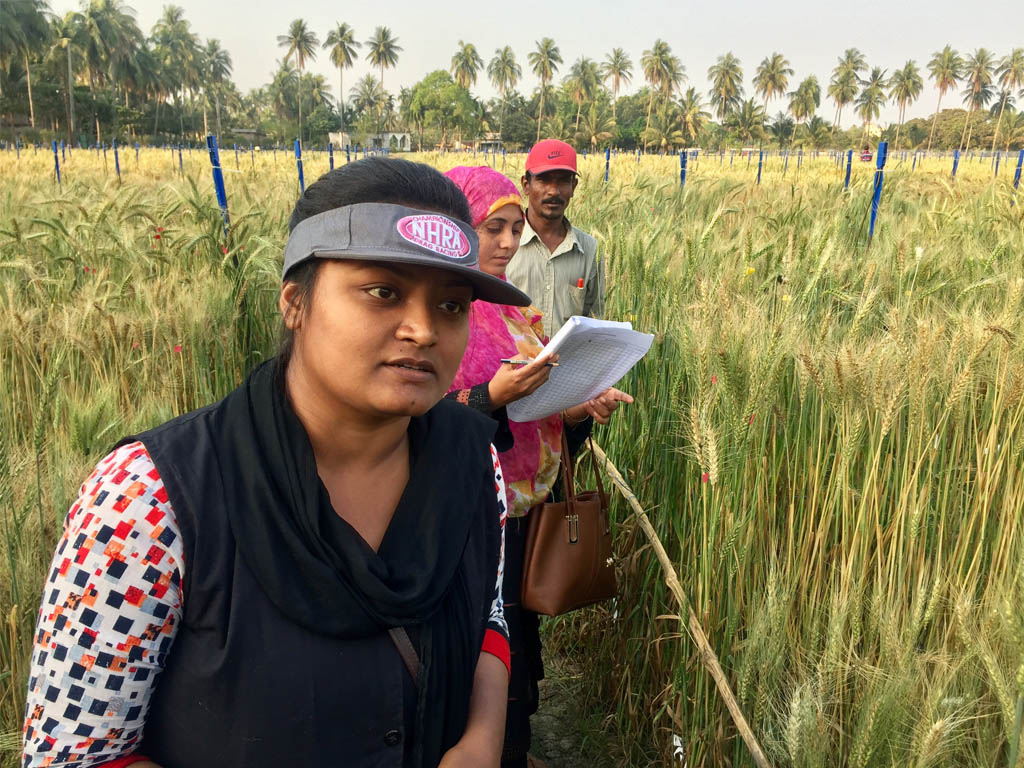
(499, 237)
(379, 340)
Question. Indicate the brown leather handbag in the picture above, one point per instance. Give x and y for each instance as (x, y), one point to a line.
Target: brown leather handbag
(568, 562)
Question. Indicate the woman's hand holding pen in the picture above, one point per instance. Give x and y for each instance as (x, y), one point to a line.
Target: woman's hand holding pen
(600, 407)
(513, 381)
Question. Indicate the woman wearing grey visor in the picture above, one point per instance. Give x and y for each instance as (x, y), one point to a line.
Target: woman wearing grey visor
(309, 571)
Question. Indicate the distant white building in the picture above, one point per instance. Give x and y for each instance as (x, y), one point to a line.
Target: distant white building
(397, 140)
(340, 140)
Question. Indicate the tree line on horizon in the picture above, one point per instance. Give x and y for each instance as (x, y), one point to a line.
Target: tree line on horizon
(93, 74)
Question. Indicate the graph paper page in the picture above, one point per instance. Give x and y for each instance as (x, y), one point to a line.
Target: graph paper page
(592, 356)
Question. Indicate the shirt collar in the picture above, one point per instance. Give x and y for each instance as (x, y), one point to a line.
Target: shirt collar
(529, 233)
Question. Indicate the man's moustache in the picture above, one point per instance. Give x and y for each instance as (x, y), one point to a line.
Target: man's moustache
(555, 200)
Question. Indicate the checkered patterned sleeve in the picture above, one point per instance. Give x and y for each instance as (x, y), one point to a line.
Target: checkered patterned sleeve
(496, 635)
(111, 607)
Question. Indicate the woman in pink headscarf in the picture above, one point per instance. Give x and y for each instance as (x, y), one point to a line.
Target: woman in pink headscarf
(531, 450)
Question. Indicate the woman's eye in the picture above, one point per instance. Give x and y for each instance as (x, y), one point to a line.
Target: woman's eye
(381, 292)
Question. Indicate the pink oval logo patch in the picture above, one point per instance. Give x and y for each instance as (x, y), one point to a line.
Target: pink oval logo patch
(435, 233)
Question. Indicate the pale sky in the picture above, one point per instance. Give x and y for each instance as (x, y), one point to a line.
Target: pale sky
(810, 34)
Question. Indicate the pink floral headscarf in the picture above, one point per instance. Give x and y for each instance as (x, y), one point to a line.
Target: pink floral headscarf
(497, 331)
(485, 189)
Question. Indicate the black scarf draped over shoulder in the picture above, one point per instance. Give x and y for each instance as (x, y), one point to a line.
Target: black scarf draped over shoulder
(319, 572)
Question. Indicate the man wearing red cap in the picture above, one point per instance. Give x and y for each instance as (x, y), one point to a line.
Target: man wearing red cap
(556, 263)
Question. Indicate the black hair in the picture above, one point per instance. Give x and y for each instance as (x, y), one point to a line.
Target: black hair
(373, 180)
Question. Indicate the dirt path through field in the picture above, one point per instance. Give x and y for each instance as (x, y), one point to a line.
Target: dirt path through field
(563, 735)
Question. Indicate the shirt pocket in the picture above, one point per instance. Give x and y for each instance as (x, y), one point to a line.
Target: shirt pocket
(576, 300)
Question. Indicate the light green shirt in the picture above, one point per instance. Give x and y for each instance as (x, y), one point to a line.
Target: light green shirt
(552, 279)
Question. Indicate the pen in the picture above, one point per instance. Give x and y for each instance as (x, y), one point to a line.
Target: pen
(527, 362)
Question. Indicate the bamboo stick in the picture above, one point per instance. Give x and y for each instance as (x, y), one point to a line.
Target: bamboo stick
(707, 654)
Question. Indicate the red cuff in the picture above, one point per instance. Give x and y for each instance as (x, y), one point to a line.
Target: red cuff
(496, 644)
(122, 762)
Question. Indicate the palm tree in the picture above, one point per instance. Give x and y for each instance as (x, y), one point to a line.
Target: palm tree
(342, 43)
(619, 69)
(383, 50)
(662, 131)
(805, 99)
(465, 64)
(978, 74)
(781, 129)
(747, 121)
(656, 63)
(544, 63)
(1010, 75)
(842, 88)
(945, 67)
(692, 116)
(218, 69)
(367, 95)
(24, 30)
(597, 126)
(110, 36)
(772, 77)
(905, 87)
(583, 81)
(871, 98)
(301, 42)
(65, 33)
(726, 77)
(819, 132)
(504, 73)
(176, 48)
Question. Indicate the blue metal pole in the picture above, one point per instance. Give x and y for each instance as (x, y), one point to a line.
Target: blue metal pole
(956, 162)
(117, 162)
(760, 162)
(63, 157)
(883, 150)
(607, 162)
(785, 164)
(731, 153)
(330, 153)
(997, 164)
(849, 167)
(1016, 174)
(181, 164)
(218, 180)
(56, 163)
(682, 168)
(914, 165)
(298, 165)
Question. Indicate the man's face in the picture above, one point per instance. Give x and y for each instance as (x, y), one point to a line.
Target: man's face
(549, 193)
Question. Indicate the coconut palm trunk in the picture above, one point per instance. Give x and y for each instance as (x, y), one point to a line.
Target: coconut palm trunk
(650, 104)
(998, 123)
(540, 114)
(963, 133)
(935, 119)
(71, 98)
(31, 106)
(896, 144)
(341, 96)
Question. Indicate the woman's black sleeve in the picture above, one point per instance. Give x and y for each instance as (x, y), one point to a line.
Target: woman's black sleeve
(478, 399)
(576, 434)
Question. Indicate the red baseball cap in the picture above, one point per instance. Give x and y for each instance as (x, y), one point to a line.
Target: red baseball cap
(551, 155)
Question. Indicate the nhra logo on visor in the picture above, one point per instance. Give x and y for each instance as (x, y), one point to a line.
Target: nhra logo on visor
(435, 233)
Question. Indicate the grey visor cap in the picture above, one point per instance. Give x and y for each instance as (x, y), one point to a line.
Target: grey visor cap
(394, 233)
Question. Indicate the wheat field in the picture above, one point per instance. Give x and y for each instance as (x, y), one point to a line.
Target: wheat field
(828, 436)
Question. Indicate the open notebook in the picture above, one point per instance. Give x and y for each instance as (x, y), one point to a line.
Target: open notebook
(593, 355)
